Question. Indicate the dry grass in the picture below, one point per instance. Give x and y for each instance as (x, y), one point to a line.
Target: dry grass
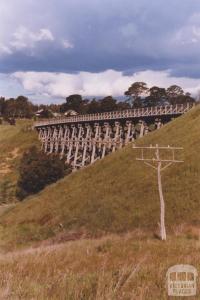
(115, 267)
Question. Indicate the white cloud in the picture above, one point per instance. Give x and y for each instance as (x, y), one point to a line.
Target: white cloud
(67, 44)
(45, 34)
(24, 38)
(5, 50)
(105, 83)
(189, 33)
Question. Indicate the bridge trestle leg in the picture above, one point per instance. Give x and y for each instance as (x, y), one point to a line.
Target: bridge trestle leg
(142, 128)
(71, 144)
(58, 139)
(41, 137)
(146, 129)
(77, 145)
(53, 139)
(116, 136)
(121, 132)
(128, 135)
(106, 139)
(64, 140)
(94, 143)
(47, 139)
(86, 143)
(159, 124)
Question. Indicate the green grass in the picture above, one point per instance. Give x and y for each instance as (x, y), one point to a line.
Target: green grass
(13, 141)
(116, 194)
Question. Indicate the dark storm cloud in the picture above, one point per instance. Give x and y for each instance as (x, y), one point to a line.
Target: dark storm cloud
(95, 35)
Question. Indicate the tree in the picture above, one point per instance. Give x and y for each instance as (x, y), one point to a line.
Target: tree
(20, 107)
(156, 97)
(54, 108)
(93, 107)
(24, 108)
(10, 109)
(46, 113)
(74, 102)
(173, 91)
(108, 104)
(186, 98)
(176, 95)
(2, 105)
(37, 169)
(123, 105)
(135, 93)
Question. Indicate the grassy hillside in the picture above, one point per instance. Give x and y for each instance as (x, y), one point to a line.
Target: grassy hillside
(116, 194)
(13, 141)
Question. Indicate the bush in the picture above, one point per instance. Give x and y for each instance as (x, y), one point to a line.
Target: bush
(37, 169)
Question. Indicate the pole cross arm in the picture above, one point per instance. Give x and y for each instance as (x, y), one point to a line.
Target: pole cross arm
(160, 160)
(155, 147)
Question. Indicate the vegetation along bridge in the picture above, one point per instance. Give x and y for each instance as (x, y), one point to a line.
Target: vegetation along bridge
(83, 139)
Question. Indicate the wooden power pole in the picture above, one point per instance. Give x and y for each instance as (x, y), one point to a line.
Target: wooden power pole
(160, 164)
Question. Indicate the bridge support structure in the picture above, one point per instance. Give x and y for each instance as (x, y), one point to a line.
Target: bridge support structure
(84, 139)
(83, 144)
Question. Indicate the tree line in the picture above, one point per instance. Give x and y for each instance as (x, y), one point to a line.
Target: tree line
(138, 95)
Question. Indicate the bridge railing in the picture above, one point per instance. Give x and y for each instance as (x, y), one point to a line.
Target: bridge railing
(129, 113)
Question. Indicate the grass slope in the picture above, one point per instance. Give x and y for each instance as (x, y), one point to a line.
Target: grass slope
(130, 267)
(116, 194)
(13, 141)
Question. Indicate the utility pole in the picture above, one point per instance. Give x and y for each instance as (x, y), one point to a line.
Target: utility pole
(160, 165)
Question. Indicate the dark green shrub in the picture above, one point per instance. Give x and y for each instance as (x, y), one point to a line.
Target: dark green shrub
(38, 169)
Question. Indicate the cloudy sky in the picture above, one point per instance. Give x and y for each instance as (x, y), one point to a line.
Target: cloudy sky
(52, 48)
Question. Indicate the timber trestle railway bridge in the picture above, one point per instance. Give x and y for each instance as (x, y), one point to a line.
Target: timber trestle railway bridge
(83, 139)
